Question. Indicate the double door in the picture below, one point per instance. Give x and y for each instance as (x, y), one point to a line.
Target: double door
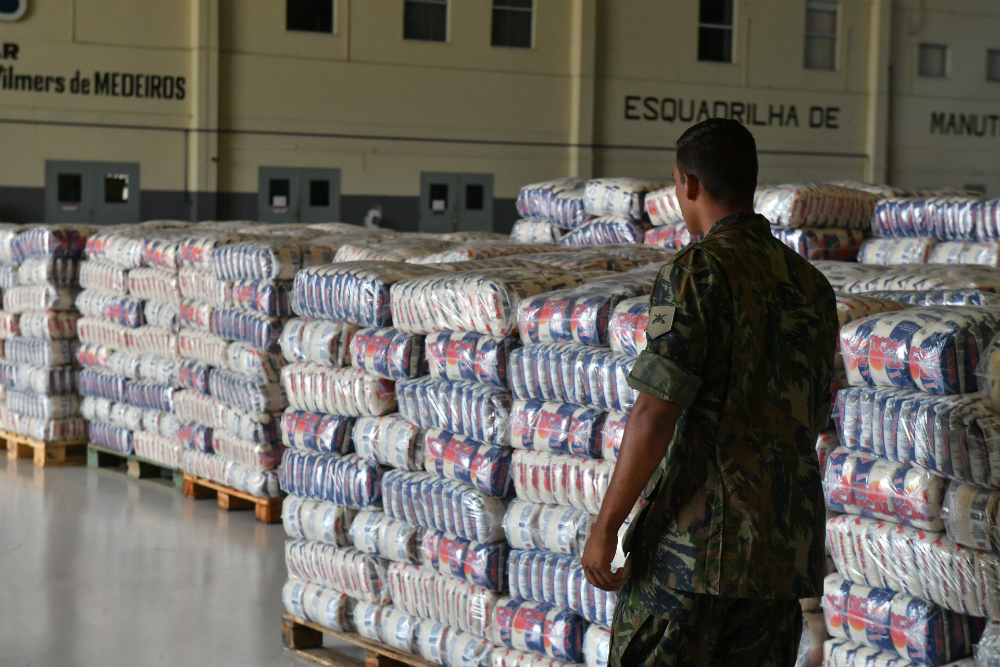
(95, 193)
(452, 202)
(291, 194)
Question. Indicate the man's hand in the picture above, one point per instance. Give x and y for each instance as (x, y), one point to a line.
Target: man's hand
(597, 557)
(648, 432)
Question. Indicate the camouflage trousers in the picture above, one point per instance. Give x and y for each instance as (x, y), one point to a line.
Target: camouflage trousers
(707, 631)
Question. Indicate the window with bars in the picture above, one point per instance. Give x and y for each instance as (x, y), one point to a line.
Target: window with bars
(821, 35)
(715, 31)
(425, 20)
(932, 61)
(309, 15)
(512, 23)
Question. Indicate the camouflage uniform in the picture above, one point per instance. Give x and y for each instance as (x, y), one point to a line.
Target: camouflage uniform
(741, 334)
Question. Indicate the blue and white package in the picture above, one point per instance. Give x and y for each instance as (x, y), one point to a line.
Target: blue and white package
(388, 353)
(485, 467)
(606, 230)
(551, 426)
(556, 528)
(317, 520)
(559, 580)
(539, 627)
(252, 328)
(469, 356)
(113, 437)
(317, 432)
(943, 218)
(317, 341)
(596, 646)
(345, 480)
(318, 604)
(267, 297)
(483, 565)
(573, 374)
(470, 409)
(390, 440)
(359, 575)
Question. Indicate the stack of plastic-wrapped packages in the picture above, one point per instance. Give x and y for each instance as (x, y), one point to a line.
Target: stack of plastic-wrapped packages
(41, 276)
(128, 340)
(918, 285)
(574, 212)
(915, 484)
(669, 229)
(942, 229)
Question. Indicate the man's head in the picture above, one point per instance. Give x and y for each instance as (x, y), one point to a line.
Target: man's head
(715, 172)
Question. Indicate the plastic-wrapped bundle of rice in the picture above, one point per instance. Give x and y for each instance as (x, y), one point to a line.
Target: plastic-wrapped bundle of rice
(830, 243)
(586, 264)
(951, 218)
(964, 252)
(624, 197)
(815, 205)
(891, 251)
(673, 235)
(969, 297)
(535, 230)
(662, 207)
(559, 200)
(925, 277)
(605, 230)
(399, 249)
(478, 250)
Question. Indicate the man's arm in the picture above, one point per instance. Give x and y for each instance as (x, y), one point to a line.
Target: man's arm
(648, 432)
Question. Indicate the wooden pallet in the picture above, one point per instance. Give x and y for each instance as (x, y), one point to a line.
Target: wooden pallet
(305, 639)
(45, 454)
(136, 467)
(267, 510)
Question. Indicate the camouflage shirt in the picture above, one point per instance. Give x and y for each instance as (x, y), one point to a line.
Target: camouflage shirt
(741, 334)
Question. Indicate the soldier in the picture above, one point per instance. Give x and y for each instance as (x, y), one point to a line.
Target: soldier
(734, 389)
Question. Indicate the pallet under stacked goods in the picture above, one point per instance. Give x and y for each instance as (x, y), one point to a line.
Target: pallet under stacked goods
(41, 401)
(917, 570)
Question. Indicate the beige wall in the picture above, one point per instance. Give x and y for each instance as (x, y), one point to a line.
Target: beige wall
(368, 102)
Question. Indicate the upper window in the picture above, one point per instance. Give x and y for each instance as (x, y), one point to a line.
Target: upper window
(933, 61)
(715, 31)
(426, 20)
(309, 15)
(993, 65)
(512, 23)
(821, 35)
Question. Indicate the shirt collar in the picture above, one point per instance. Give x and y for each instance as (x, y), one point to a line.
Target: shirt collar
(740, 221)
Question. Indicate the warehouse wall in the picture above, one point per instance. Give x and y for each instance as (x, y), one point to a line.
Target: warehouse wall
(606, 89)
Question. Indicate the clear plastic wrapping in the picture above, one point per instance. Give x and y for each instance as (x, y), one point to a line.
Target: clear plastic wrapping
(970, 513)
(310, 431)
(483, 301)
(8, 275)
(579, 314)
(318, 604)
(120, 309)
(815, 205)
(317, 520)
(205, 287)
(165, 314)
(852, 307)
(277, 259)
(597, 645)
(39, 297)
(49, 270)
(33, 404)
(483, 565)
(390, 440)
(585, 263)
(400, 249)
(606, 230)
(113, 437)
(551, 426)
(914, 629)
(193, 374)
(442, 598)
(559, 200)
(469, 356)
(894, 251)
(964, 252)
(157, 448)
(348, 480)
(481, 250)
(149, 283)
(388, 353)
(359, 575)
(539, 627)
(924, 277)
(830, 243)
(340, 391)
(260, 483)
(542, 477)
(485, 467)
(674, 236)
(559, 580)
(195, 251)
(501, 656)
(259, 456)
(548, 527)
(662, 207)
(198, 437)
(317, 341)
(259, 365)
(154, 340)
(43, 380)
(476, 411)
(573, 374)
(356, 292)
(373, 532)
(627, 326)
(39, 351)
(73, 429)
(193, 406)
(150, 395)
(950, 218)
(618, 197)
(116, 245)
(204, 347)
(958, 297)
(9, 325)
(611, 434)
(64, 240)
(246, 395)
(987, 651)
(535, 230)
(102, 385)
(267, 297)
(251, 328)
(934, 350)
(431, 501)
(195, 314)
(248, 424)
(988, 374)
(882, 489)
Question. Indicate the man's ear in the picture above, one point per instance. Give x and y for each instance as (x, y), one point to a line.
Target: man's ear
(691, 187)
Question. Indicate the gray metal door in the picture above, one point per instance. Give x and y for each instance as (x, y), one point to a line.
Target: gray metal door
(452, 202)
(97, 193)
(291, 194)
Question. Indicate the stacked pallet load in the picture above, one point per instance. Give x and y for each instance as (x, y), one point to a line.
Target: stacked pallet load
(128, 343)
(916, 570)
(669, 229)
(39, 322)
(549, 210)
(944, 229)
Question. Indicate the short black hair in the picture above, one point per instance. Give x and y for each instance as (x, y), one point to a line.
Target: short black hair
(723, 155)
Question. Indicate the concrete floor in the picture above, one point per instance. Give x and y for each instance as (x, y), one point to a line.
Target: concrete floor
(98, 569)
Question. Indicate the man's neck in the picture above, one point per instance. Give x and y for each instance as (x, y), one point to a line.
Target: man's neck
(715, 213)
